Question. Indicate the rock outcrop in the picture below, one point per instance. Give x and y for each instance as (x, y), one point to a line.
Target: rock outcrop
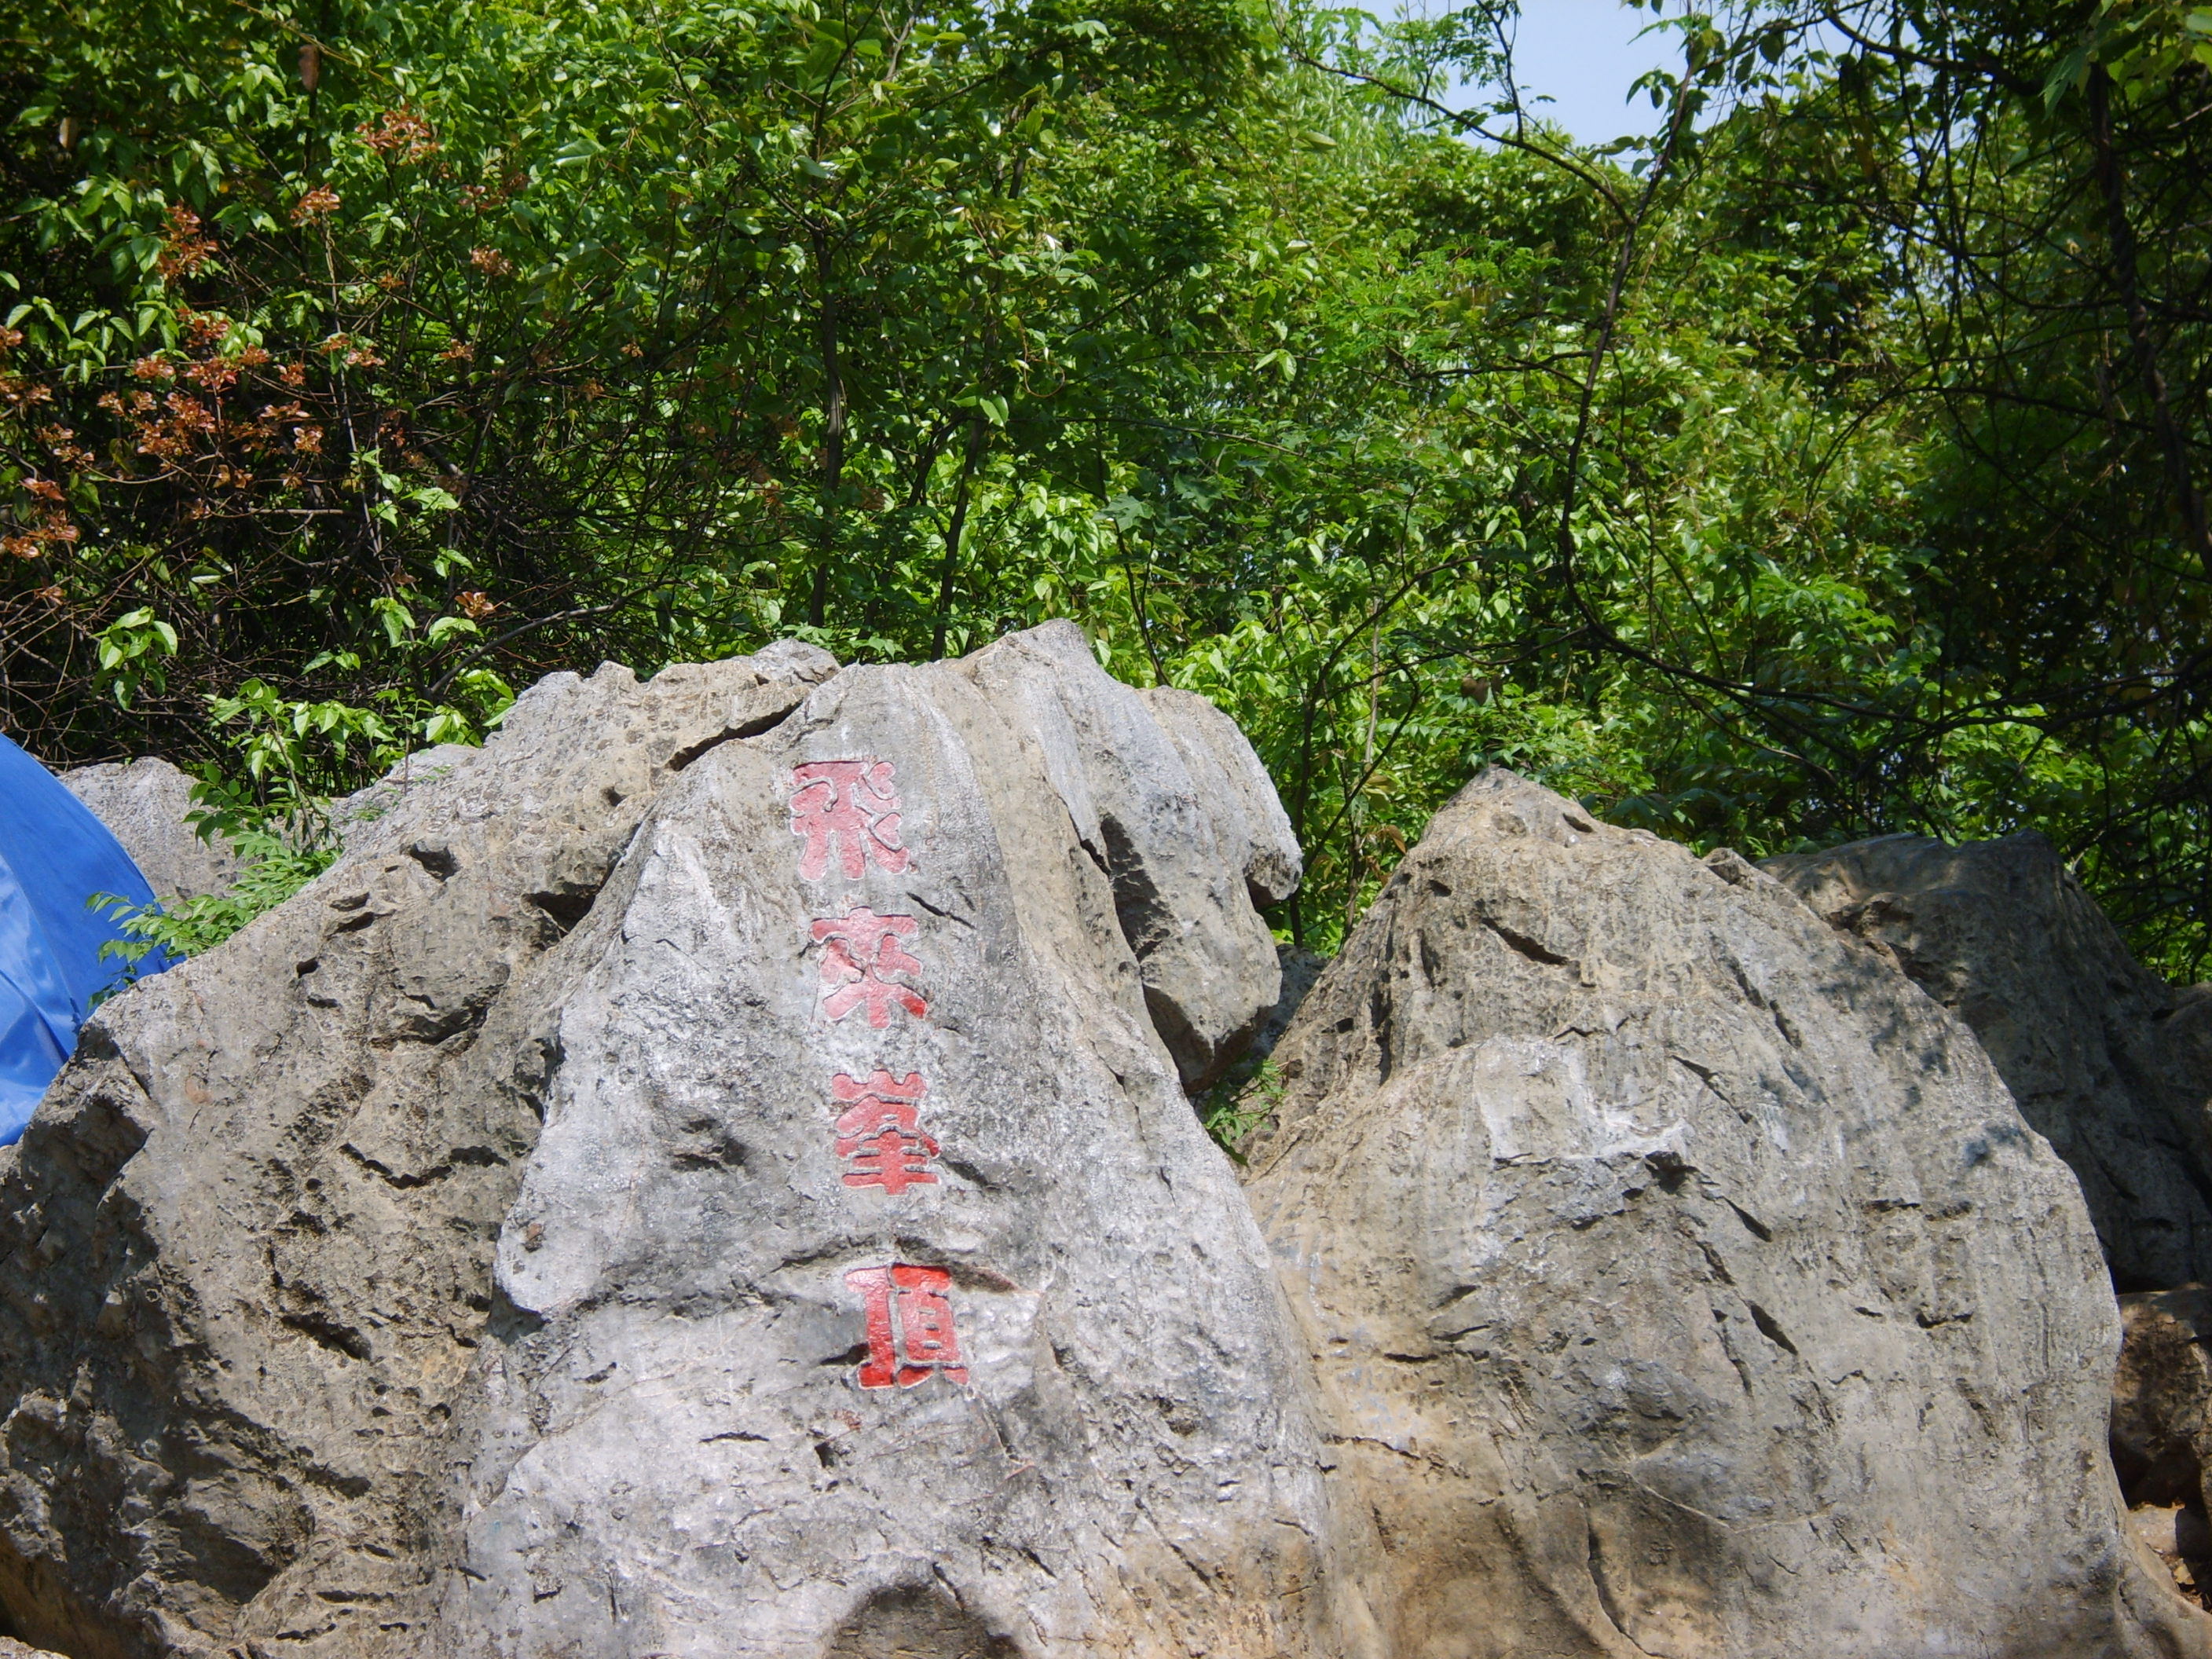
(713, 1173)
(144, 803)
(709, 1174)
(2105, 1058)
(1682, 1280)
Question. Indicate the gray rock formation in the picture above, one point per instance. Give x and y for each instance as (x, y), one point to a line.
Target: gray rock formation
(1188, 829)
(418, 770)
(2110, 1063)
(144, 803)
(708, 1174)
(1683, 1281)
(711, 1173)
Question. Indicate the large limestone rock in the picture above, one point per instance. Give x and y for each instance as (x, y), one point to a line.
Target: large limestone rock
(2110, 1063)
(144, 803)
(709, 1174)
(1683, 1281)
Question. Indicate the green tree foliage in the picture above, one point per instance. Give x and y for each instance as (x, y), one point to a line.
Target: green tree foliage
(2031, 184)
(273, 867)
(1823, 466)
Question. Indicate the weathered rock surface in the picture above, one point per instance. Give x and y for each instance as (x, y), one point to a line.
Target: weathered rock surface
(144, 803)
(470, 1257)
(2105, 1058)
(249, 1234)
(417, 771)
(1683, 1281)
(711, 1173)
(1188, 830)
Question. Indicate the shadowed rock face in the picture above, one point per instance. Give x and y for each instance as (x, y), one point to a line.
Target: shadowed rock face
(1682, 1280)
(2162, 1425)
(491, 1250)
(2110, 1063)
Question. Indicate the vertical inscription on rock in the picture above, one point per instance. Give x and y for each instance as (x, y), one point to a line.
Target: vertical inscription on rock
(846, 813)
(848, 808)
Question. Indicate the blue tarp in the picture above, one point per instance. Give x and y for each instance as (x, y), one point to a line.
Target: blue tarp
(54, 856)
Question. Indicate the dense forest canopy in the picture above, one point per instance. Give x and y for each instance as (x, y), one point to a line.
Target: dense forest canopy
(1829, 464)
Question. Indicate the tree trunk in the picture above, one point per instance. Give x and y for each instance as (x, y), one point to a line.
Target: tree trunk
(833, 432)
(2112, 182)
(979, 438)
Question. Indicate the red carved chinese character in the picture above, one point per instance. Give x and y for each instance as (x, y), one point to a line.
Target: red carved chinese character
(881, 1101)
(925, 1318)
(892, 1160)
(909, 1326)
(879, 1129)
(861, 952)
(852, 802)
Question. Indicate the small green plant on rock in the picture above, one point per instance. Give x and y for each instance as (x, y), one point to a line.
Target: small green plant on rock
(280, 847)
(1234, 1110)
